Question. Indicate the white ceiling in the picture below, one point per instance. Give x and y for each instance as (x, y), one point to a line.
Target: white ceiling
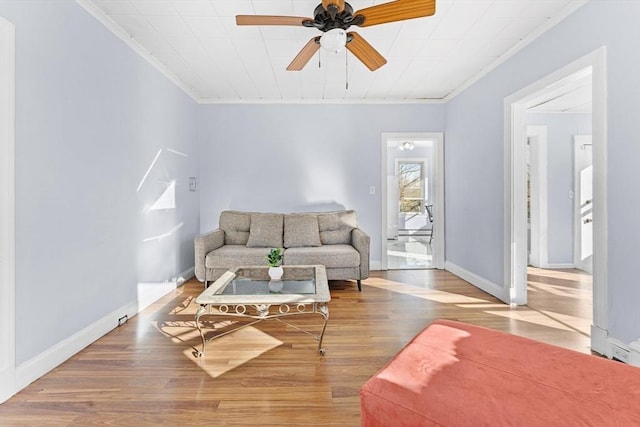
(199, 45)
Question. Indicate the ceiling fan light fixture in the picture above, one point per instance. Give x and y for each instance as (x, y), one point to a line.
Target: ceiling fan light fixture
(407, 145)
(334, 40)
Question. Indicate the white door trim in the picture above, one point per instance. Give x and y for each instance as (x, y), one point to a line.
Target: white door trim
(538, 192)
(579, 141)
(7, 211)
(438, 196)
(515, 246)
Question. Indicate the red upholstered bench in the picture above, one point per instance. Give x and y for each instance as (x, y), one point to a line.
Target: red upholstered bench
(456, 374)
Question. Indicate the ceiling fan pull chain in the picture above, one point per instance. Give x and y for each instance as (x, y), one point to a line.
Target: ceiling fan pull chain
(346, 70)
(319, 59)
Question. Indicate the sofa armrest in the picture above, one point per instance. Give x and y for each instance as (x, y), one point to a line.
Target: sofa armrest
(361, 242)
(203, 244)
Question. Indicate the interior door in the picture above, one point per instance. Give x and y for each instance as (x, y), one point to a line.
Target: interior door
(583, 228)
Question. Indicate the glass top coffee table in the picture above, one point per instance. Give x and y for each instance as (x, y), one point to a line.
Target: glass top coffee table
(249, 292)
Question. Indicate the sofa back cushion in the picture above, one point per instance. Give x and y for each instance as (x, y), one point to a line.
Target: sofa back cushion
(301, 230)
(266, 230)
(236, 227)
(335, 227)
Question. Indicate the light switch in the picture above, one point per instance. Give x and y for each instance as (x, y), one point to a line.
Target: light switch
(372, 189)
(193, 183)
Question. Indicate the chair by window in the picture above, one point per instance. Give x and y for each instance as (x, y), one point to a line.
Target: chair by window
(430, 217)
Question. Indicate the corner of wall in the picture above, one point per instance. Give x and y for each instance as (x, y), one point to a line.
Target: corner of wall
(477, 281)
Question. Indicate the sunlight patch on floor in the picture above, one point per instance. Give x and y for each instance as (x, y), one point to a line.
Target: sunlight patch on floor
(577, 323)
(563, 291)
(230, 351)
(424, 293)
(530, 316)
(410, 255)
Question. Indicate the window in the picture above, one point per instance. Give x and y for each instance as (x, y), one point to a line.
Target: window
(412, 189)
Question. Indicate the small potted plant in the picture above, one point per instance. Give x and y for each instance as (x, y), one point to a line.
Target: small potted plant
(275, 263)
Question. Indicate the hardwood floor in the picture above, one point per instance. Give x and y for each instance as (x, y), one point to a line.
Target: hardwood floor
(145, 372)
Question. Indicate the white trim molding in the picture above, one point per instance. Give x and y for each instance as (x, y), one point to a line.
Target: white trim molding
(515, 228)
(7, 211)
(480, 282)
(438, 196)
(33, 369)
(97, 13)
(539, 220)
(150, 292)
(634, 353)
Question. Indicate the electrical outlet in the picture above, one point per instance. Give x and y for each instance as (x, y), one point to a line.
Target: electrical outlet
(619, 354)
(123, 320)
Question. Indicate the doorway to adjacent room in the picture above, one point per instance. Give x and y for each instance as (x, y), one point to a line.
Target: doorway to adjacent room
(412, 201)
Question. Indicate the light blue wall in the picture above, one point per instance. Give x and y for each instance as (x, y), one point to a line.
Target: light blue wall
(474, 151)
(289, 158)
(91, 115)
(561, 128)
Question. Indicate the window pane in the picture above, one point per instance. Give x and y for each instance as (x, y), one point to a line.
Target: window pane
(411, 186)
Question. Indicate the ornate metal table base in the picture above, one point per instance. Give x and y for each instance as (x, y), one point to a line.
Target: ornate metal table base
(260, 312)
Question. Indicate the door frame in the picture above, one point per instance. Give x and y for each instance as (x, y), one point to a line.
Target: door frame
(7, 211)
(438, 190)
(538, 192)
(515, 226)
(578, 140)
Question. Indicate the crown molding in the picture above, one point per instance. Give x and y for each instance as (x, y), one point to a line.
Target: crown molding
(552, 22)
(324, 101)
(97, 13)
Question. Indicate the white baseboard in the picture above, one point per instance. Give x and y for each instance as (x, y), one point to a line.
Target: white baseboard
(599, 341)
(59, 353)
(611, 347)
(185, 275)
(150, 292)
(477, 281)
(552, 266)
(634, 354)
(33, 369)
(375, 265)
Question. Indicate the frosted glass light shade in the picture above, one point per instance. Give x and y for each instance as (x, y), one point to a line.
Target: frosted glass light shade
(334, 40)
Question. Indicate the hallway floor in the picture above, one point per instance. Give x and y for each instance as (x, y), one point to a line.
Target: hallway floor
(409, 252)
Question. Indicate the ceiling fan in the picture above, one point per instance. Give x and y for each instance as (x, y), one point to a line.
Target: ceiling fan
(334, 17)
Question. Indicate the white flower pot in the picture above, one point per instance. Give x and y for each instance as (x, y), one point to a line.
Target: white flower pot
(276, 272)
(275, 285)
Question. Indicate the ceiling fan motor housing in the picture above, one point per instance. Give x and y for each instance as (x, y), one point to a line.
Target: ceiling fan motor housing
(330, 18)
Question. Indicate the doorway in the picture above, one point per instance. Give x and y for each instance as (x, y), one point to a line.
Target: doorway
(409, 225)
(583, 203)
(516, 107)
(412, 199)
(7, 210)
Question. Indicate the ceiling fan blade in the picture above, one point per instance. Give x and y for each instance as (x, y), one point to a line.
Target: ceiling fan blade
(365, 52)
(304, 55)
(398, 10)
(295, 21)
(338, 3)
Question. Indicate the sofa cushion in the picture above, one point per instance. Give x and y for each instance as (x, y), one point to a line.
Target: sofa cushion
(235, 255)
(266, 230)
(301, 230)
(235, 226)
(331, 256)
(335, 227)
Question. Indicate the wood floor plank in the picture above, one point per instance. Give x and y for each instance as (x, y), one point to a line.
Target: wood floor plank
(270, 374)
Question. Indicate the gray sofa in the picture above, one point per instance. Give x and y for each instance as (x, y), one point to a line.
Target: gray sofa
(332, 239)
